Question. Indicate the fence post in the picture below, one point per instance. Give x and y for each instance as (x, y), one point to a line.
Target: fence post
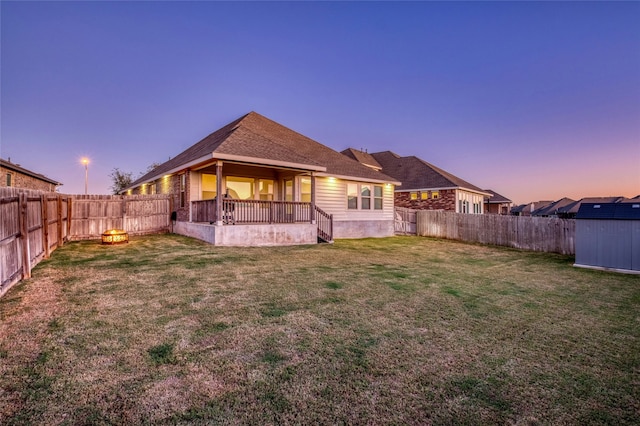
(170, 226)
(68, 218)
(24, 236)
(124, 212)
(45, 225)
(60, 239)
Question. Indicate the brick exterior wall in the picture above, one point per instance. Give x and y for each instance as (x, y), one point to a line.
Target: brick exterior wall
(170, 185)
(446, 201)
(19, 180)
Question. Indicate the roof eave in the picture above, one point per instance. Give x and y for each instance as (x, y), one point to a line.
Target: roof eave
(358, 178)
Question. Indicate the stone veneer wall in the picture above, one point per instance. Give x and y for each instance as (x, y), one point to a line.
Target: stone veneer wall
(446, 201)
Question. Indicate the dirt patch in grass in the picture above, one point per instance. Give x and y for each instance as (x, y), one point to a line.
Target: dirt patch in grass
(401, 330)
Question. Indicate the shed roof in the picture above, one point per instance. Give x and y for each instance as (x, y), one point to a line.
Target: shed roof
(258, 139)
(616, 211)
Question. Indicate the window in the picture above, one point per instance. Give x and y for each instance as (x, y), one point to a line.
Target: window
(152, 188)
(477, 204)
(413, 195)
(288, 190)
(305, 190)
(365, 193)
(183, 189)
(365, 196)
(240, 188)
(209, 186)
(424, 195)
(265, 189)
(377, 197)
(435, 194)
(9, 179)
(352, 196)
(469, 203)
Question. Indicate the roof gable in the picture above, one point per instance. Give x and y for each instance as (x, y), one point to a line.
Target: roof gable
(362, 157)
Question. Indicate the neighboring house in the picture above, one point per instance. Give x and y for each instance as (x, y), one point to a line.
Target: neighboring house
(496, 203)
(555, 209)
(276, 185)
(565, 208)
(526, 209)
(424, 186)
(14, 175)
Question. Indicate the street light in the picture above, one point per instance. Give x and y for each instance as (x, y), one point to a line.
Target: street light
(85, 161)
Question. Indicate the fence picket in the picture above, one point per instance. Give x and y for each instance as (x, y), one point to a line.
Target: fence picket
(527, 233)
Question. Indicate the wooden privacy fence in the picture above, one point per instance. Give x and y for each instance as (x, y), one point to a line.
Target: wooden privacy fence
(32, 225)
(35, 223)
(405, 221)
(91, 215)
(527, 233)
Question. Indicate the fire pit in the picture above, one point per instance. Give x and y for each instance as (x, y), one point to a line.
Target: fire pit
(115, 236)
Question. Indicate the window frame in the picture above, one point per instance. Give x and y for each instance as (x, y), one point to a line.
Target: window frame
(357, 201)
(183, 190)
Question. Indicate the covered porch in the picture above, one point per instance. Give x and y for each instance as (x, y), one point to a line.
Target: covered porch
(260, 204)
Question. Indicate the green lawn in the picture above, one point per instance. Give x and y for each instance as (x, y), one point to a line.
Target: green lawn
(404, 330)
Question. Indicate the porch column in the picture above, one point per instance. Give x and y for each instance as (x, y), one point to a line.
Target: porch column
(313, 198)
(219, 193)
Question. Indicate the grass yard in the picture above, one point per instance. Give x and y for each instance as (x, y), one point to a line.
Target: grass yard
(404, 330)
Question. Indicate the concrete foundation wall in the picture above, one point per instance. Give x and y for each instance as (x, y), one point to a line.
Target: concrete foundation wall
(363, 228)
(201, 231)
(250, 235)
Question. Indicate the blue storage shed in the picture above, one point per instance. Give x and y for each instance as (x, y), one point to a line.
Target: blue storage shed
(608, 236)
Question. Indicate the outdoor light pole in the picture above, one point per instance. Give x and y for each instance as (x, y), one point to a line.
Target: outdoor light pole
(85, 161)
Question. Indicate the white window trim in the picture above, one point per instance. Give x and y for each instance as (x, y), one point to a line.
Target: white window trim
(372, 197)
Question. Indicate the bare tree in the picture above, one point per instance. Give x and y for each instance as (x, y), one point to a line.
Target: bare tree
(120, 180)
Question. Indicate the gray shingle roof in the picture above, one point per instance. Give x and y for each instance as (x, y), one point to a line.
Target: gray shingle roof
(255, 136)
(496, 198)
(553, 208)
(415, 173)
(362, 157)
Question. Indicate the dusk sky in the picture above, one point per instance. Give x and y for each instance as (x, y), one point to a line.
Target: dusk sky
(535, 100)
